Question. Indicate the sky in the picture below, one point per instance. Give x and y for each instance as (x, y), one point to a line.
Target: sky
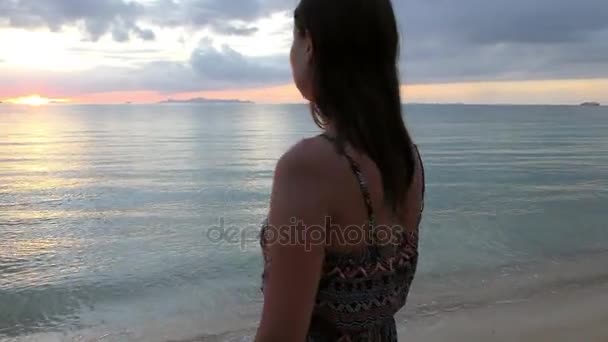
(465, 51)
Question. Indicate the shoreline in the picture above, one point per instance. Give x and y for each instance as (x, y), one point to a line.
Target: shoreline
(562, 299)
(509, 283)
(556, 300)
(571, 316)
(574, 315)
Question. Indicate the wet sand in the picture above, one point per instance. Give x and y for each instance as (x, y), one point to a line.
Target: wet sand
(558, 300)
(573, 315)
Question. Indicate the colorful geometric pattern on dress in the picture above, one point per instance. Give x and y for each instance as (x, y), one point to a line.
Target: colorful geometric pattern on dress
(358, 295)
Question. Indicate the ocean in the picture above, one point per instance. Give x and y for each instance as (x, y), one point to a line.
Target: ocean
(111, 216)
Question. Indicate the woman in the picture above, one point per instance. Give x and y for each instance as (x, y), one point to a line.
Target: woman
(340, 242)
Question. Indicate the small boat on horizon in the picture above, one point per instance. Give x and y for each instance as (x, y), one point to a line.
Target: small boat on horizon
(590, 104)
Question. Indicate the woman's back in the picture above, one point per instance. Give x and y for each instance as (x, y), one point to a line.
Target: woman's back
(349, 207)
(371, 254)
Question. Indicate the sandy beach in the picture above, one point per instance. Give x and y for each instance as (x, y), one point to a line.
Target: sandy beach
(563, 300)
(579, 314)
(559, 301)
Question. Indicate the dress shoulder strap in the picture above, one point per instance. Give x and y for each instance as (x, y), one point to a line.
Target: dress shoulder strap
(356, 169)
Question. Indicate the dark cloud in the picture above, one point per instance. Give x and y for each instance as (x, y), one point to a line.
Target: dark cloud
(514, 21)
(229, 67)
(122, 18)
(234, 30)
(216, 14)
(470, 40)
(97, 17)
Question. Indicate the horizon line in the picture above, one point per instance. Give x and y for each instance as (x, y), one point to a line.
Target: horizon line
(248, 102)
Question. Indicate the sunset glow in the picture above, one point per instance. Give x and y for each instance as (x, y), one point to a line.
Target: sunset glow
(573, 91)
(35, 100)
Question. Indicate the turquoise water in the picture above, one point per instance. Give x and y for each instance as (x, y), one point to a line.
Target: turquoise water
(108, 213)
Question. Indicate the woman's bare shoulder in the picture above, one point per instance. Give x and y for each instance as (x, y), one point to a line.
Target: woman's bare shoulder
(309, 155)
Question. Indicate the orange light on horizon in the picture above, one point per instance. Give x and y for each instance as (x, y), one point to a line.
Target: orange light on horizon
(565, 91)
(35, 100)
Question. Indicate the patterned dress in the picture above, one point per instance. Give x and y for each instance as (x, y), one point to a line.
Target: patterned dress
(359, 295)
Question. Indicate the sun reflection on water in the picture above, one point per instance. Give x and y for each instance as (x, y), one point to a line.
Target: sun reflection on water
(17, 248)
(35, 151)
(39, 161)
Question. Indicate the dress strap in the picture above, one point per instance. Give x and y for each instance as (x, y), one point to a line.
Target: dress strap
(363, 185)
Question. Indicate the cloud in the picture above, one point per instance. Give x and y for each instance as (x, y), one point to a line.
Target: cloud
(444, 40)
(515, 21)
(470, 40)
(222, 16)
(226, 66)
(95, 17)
(208, 68)
(123, 19)
(234, 30)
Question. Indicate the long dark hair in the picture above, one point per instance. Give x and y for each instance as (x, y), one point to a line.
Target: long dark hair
(356, 83)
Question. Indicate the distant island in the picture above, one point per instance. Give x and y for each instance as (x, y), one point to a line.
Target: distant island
(590, 104)
(206, 101)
